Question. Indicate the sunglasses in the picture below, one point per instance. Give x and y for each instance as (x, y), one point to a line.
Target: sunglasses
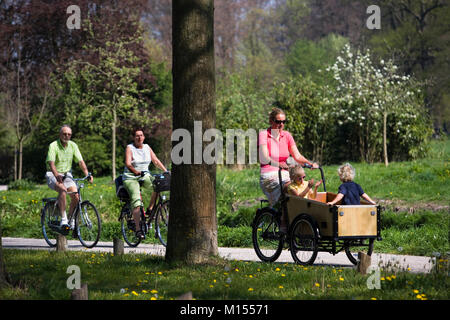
(280, 121)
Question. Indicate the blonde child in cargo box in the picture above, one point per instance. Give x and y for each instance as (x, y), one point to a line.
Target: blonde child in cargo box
(349, 192)
(299, 186)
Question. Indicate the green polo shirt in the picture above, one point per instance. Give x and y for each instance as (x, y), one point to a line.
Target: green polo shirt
(63, 157)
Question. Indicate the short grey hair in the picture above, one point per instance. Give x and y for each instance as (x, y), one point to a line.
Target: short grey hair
(65, 126)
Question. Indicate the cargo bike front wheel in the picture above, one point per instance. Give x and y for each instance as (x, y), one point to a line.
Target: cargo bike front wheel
(266, 236)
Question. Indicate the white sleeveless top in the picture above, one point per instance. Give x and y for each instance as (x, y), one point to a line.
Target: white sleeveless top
(141, 158)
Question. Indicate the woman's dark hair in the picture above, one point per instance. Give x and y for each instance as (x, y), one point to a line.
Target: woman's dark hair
(136, 130)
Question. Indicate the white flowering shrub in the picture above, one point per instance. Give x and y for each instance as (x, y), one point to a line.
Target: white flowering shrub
(376, 107)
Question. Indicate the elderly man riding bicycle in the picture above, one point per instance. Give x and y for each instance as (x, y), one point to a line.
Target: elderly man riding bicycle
(61, 154)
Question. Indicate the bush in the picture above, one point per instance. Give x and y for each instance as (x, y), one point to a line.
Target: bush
(22, 184)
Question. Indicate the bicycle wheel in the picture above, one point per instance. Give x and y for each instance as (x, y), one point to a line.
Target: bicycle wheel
(267, 241)
(357, 246)
(303, 240)
(88, 225)
(129, 227)
(50, 220)
(162, 222)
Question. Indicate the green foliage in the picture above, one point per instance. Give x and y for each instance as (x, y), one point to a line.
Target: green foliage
(309, 58)
(308, 117)
(22, 184)
(95, 153)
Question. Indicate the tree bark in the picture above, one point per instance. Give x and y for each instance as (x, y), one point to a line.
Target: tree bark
(192, 236)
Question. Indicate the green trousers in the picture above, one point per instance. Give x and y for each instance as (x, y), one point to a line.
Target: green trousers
(132, 186)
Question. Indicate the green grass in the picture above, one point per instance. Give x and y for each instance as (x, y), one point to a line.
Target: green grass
(42, 275)
(421, 185)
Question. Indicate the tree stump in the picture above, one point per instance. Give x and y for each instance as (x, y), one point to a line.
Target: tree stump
(118, 247)
(185, 296)
(364, 262)
(61, 243)
(80, 294)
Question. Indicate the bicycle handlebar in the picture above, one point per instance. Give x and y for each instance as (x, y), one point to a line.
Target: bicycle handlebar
(152, 174)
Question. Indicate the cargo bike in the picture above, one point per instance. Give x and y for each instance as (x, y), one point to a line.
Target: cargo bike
(314, 226)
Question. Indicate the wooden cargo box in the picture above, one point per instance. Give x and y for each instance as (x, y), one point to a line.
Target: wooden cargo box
(347, 221)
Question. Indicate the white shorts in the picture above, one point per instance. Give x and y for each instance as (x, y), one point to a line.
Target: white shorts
(270, 184)
(51, 180)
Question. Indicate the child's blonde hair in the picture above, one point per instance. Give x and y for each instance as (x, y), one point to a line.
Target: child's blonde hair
(295, 172)
(346, 172)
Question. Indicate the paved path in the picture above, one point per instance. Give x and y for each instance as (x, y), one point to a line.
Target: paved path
(417, 264)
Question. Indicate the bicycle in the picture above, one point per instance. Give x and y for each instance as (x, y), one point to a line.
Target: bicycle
(314, 226)
(85, 219)
(159, 215)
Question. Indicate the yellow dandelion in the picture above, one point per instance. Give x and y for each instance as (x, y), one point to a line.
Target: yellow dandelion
(237, 270)
(283, 275)
(317, 285)
(211, 286)
(160, 273)
(137, 260)
(154, 291)
(250, 289)
(144, 291)
(328, 285)
(382, 279)
(341, 279)
(280, 287)
(373, 298)
(135, 293)
(126, 295)
(388, 278)
(277, 269)
(416, 291)
(250, 276)
(153, 298)
(419, 296)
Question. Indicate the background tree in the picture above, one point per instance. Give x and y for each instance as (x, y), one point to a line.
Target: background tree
(192, 236)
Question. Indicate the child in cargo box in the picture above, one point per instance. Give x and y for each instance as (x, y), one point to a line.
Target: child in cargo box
(349, 191)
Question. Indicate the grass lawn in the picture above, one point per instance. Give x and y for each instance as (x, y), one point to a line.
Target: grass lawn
(42, 275)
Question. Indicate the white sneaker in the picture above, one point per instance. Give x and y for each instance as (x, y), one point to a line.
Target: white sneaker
(72, 224)
(64, 222)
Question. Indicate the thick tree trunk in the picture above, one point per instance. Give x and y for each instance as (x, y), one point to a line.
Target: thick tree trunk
(192, 234)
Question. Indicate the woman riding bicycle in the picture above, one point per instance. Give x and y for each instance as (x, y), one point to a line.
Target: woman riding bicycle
(275, 147)
(138, 157)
